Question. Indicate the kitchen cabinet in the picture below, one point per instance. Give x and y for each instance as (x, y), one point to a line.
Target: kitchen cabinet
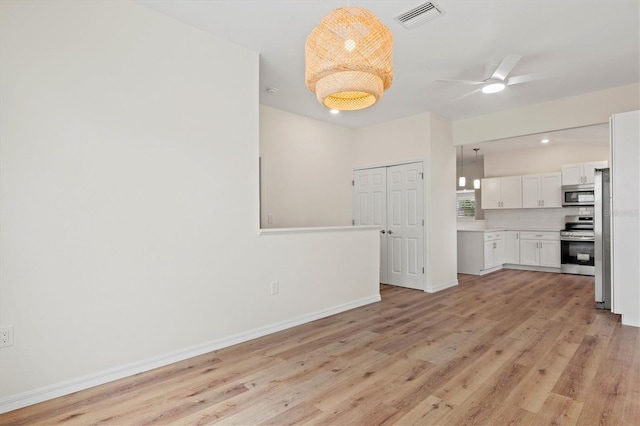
(581, 173)
(540, 249)
(480, 252)
(502, 193)
(512, 247)
(542, 191)
(493, 249)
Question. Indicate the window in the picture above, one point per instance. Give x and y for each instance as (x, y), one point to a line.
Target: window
(466, 204)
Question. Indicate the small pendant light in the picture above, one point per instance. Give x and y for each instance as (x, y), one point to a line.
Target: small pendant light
(476, 182)
(462, 181)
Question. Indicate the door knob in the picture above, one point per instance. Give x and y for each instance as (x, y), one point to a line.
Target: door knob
(383, 231)
(390, 232)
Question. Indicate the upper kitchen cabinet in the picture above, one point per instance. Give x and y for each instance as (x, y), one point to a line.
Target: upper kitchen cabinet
(502, 193)
(542, 191)
(581, 173)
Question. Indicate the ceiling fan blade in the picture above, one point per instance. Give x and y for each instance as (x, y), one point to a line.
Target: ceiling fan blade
(465, 95)
(461, 81)
(525, 78)
(505, 67)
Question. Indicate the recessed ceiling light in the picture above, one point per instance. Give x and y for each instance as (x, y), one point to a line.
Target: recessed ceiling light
(334, 111)
(544, 141)
(493, 88)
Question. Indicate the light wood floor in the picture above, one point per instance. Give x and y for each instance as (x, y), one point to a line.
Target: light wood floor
(513, 347)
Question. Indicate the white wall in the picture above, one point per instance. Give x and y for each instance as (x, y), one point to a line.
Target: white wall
(566, 113)
(424, 137)
(392, 141)
(129, 202)
(543, 159)
(442, 217)
(306, 171)
(625, 219)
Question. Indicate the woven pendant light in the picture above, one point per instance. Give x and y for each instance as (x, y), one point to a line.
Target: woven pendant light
(348, 59)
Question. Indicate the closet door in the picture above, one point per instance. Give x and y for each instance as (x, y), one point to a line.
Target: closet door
(370, 206)
(405, 225)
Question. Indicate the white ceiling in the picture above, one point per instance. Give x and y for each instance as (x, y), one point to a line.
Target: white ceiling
(579, 136)
(586, 45)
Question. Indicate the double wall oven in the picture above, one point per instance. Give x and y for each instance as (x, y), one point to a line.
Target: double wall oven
(577, 245)
(586, 239)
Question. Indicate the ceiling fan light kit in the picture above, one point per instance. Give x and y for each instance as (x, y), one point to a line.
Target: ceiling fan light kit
(348, 59)
(493, 87)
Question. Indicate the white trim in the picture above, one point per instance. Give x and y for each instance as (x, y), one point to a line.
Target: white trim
(395, 163)
(442, 286)
(85, 382)
(272, 231)
(532, 268)
(490, 270)
(630, 320)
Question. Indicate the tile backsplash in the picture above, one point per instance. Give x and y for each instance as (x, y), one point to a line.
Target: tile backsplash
(538, 219)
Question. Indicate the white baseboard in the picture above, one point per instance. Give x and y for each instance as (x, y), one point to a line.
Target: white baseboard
(442, 286)
(532, 268)
(490, 270)
(85, 382)
(631, 320)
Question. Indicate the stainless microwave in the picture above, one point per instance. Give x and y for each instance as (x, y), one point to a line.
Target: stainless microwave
(578, 195)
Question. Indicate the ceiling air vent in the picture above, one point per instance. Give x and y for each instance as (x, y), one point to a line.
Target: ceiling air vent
(419, 15)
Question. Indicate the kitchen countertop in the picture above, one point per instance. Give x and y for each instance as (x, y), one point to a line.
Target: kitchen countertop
(511, 229)
(482, 230)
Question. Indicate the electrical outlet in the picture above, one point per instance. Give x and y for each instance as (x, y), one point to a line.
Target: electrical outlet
(275, 288)
(269, 219)
(6, 336)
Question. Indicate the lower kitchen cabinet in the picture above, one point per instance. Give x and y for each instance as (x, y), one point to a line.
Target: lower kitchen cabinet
(512, 247)
(493, 249)
(540, 249)
(480, 252)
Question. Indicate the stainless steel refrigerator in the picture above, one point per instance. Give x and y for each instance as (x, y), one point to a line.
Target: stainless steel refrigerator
(602, 230)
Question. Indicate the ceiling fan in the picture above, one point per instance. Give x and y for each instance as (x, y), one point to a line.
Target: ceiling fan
(500, 77)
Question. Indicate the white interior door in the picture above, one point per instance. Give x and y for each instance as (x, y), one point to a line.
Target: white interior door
(370, 206)
(405, 225)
